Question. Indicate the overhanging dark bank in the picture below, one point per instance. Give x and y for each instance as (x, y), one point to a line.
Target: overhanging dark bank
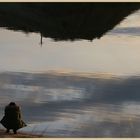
(65, 21)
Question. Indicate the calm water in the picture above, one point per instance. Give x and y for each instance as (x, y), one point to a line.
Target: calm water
(74, 106)
(74, 89)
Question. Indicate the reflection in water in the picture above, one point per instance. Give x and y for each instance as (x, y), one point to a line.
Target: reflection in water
(49, 94)
(74, 106)
(127, 30)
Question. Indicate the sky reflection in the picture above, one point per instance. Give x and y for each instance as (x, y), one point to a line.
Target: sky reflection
(114, 53)
(74, 89)
(74, 106)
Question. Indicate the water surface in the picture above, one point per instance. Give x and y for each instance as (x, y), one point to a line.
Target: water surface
(74, 89)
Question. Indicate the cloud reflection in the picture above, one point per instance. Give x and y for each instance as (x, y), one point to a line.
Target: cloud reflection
(67, 105)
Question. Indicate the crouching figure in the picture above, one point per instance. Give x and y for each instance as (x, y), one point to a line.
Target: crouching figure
(12, 118)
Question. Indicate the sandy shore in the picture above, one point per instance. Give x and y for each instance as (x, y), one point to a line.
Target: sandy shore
(18, 135)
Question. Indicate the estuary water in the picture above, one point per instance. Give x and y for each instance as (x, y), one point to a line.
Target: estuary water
(74, 89)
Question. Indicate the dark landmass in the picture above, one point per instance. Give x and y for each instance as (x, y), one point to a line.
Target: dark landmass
(65, 21)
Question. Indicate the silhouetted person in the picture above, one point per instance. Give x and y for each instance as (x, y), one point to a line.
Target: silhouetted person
(12, 118)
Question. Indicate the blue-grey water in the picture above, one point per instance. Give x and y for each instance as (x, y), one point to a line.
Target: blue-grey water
(74, 89)
(66, 105)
